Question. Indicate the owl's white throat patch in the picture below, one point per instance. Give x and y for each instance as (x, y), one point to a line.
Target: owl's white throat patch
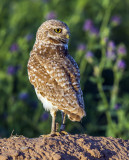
(48, 44)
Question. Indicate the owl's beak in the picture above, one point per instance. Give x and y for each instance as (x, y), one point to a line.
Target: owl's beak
(67, 36)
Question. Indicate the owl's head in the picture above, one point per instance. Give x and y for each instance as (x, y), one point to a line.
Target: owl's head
(53, 32)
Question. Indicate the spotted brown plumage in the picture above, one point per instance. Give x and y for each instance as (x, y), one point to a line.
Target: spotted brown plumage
(54, 73)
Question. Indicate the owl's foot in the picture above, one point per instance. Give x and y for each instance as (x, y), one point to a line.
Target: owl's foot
(62, 130)
(61, 133)
(64, 133)
(52, 134)
(55, 134)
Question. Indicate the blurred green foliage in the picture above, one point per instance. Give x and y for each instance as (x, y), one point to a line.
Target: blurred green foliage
(99, 43)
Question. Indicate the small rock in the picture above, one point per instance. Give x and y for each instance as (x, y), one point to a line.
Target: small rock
(56, 156)
(24, 149)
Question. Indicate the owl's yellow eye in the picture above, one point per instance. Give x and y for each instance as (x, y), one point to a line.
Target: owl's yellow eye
(58, 30)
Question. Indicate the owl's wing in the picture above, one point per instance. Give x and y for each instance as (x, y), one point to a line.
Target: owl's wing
(58, 80)
(65, 71)
(76, 78)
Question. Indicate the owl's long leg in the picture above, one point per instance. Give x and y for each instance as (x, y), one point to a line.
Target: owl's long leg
(62, 128)
(53, 127)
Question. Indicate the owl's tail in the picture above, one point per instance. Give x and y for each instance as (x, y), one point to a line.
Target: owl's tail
(75, 114)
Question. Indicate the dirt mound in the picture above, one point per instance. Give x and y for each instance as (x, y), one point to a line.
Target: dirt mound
(66, 147)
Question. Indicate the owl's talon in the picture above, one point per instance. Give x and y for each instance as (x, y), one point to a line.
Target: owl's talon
(53, 134)
(64, 133)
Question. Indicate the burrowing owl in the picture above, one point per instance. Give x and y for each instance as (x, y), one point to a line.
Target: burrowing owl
(55, 74)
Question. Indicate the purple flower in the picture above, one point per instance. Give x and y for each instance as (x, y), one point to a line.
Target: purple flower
(110, 54)
(81, 47)
(44, 116)
(51, 15)
(11, 70)
(89, 54)
(121, 64)
(117, 106)
(94, 31)
(111, 45)
(88, 24)
(116, 20)
(29, 37)
(23, 96)
(14, 47)
(111, 50)
(121, 50)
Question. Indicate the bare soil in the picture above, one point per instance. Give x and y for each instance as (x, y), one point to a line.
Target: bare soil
(64, 147)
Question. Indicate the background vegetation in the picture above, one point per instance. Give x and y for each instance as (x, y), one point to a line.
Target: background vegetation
(99, 43)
